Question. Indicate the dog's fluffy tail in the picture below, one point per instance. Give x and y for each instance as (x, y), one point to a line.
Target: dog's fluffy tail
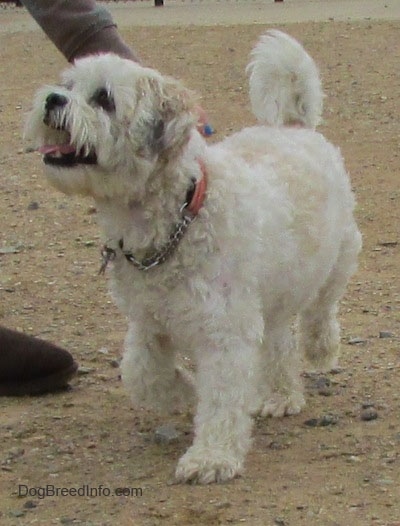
(285, 87)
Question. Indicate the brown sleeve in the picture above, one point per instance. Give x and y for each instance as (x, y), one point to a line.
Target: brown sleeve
(78, 27)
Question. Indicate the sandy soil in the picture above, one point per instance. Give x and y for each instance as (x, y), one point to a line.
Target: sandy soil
(327, 466)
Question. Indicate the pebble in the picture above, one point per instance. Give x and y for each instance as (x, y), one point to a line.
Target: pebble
(328, 420)
(356, 341)
(325, 391)
(66, 520)
(9, 250)
(311, 422)
(114, 363)
(90, 243)
(368, 414)
(34, 205)
(322, 382)
(367, 405)
(323, 421)
(85, 370)
(166, 434)
(323, 386)
(388, 243)
(386, 334)
(29, 505)
(223, 505)
(17, 513)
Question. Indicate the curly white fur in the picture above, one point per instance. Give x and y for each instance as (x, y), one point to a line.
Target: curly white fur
(275, 239)
(285, 87)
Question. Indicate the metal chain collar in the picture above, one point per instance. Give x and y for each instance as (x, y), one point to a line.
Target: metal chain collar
(166, 251)
(189, 210)
(109, 254)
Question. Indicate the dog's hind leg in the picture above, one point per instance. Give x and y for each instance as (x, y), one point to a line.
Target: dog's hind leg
(150, 374)
(318, 328)
(280, 385)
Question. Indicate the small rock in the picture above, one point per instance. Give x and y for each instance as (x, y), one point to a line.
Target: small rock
(325, 391)
(368, 414)
(322, 382)
(15, 453)
(323, 421)
(276, 445)
(90, 243)
(223, 505)
(166, 434)
(311, 422)
(34, 205)
(356, 341)
(353, 459)
(328, 420)
(85, 370)
(114, 363)
(367, 405)
(388, 243)
(323, 386)
(386, 334)
(29, 505)
(384, 482)
(17, 513)
(9, 250)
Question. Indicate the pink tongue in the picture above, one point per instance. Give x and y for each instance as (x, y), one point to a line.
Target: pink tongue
(55, 148)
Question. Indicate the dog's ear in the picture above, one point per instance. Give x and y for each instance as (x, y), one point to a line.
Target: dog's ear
(167, 115)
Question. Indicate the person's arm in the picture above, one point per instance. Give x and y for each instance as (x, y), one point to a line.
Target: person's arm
(78, 27)
(81, 27)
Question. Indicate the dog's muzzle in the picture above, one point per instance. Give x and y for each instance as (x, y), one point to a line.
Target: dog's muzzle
(62, 154)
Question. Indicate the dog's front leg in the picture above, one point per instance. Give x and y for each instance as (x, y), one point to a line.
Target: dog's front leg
(225, 381)
(149, 371)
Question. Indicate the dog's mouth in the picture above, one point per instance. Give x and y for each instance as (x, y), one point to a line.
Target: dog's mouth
(66, 155)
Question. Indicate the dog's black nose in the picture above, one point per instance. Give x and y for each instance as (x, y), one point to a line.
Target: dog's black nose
(55, 100)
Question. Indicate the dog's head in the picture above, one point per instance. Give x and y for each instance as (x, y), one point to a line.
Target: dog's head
(108, 126)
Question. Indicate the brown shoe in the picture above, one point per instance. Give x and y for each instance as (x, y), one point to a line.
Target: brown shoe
(30, 366)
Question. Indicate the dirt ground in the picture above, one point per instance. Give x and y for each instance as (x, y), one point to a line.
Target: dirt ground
(335, 464)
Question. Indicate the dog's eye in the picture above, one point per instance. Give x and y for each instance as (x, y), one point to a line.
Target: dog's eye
(104, 99)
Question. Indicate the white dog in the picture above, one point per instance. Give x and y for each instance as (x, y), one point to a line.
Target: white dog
(215, 248)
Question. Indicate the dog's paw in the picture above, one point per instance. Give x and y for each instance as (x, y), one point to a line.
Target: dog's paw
(202, 466)
(279, 405)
